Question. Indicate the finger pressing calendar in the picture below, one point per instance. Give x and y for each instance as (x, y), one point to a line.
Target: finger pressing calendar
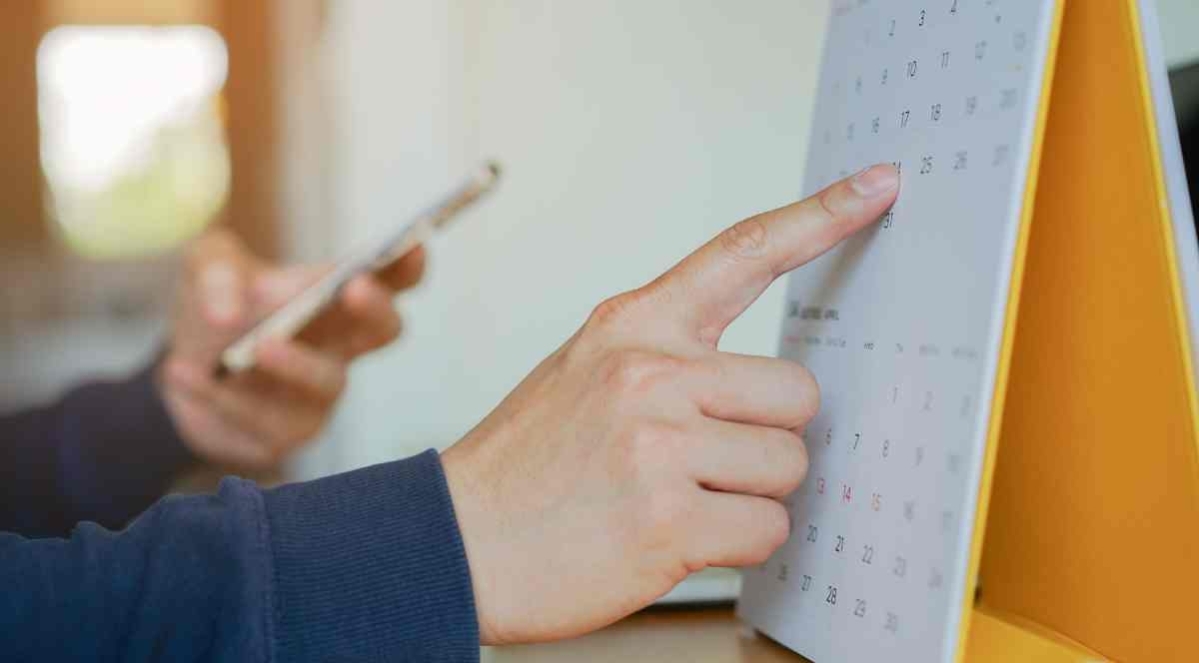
(1006, 359)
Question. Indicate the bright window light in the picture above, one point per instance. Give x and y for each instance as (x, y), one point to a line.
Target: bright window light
(132, 137)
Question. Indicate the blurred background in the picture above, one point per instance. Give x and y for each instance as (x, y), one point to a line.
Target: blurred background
(631, 131)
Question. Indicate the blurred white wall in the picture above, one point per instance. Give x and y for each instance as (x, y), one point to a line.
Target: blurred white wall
(631, 130)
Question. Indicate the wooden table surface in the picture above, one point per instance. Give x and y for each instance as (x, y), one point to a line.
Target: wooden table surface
(703, 636)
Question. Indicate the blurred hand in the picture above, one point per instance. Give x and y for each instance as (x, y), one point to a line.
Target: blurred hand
(253, 420)
(638, 453)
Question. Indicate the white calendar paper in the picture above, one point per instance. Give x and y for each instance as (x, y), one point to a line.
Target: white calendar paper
(902, 326)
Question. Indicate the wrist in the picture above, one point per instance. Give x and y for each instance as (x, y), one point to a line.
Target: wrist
(464, 493)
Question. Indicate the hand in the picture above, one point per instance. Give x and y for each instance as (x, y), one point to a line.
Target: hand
(253, 420)
(638, 453)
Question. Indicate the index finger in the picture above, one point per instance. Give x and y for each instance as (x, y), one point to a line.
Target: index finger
(718, 282)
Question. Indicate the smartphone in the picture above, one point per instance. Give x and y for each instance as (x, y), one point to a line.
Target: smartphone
(294, 315)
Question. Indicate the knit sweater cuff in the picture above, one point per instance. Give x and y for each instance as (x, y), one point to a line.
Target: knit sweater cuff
(370, 565)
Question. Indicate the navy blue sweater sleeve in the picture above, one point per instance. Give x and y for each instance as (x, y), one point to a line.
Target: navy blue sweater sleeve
(103, 453)
(363, 566)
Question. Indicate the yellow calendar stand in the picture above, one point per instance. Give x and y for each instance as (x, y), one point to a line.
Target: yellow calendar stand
(1090, 496)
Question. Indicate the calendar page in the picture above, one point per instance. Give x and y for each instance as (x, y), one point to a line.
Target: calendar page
(902, 326)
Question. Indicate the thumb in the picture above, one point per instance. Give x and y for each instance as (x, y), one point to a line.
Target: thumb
(714, 285)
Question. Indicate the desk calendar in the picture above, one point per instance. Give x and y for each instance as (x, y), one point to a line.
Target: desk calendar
(1004, 468)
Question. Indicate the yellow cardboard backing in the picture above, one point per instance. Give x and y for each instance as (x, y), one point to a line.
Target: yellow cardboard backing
(1002, 638)
(1093, 527)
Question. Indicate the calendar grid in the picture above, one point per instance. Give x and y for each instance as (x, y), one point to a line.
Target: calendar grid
(902, 324)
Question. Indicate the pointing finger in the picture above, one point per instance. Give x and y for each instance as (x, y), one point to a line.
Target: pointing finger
(719, 281)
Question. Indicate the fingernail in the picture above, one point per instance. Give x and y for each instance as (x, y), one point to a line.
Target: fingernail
(875, 181)
(222, 298)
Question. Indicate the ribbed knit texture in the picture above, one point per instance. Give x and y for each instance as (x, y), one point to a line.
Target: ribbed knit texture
(370, 566)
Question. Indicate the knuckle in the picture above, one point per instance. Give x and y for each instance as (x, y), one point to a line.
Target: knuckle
(609, 311)
(661, 511)
(661, 514)
(747, 239)
(649, 446)
(635, 372)
(824, 206)
(616, 311)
